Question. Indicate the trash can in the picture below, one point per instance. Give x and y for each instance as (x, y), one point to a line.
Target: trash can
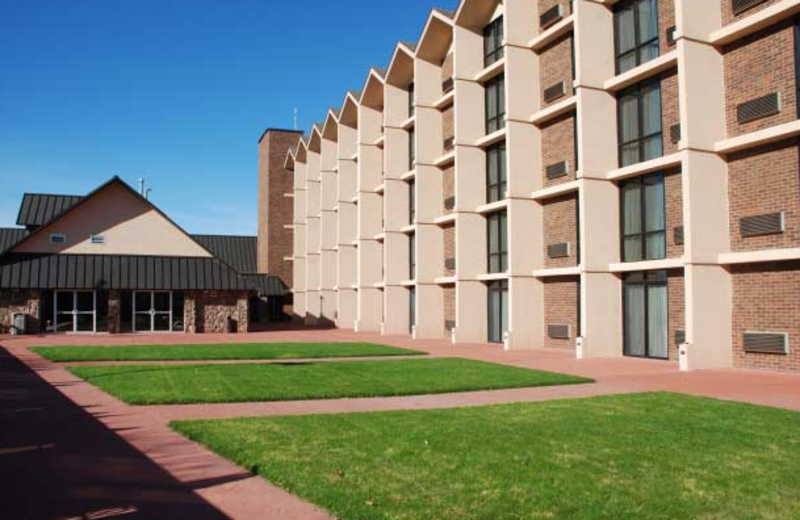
(19, 323)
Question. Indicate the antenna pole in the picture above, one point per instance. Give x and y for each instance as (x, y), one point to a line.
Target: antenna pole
(295, 119)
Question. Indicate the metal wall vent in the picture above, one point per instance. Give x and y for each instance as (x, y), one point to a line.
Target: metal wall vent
(740, 6)
(671, 35)
(769, 224)
(551, 16)
(450, 325)
(766, 343)
(448, 85)
(554, 92)
(554, 171)
(559, 250)
(758, 108)
(449, 203)
(449, 143)
(450, 263)
(675, 133)
(559, 331)
(677, 235)
(680, 336)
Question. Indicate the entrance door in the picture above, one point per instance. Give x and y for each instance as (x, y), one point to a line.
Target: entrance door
(75, 311)
(152, 311)
(498, 310)
(646, 315)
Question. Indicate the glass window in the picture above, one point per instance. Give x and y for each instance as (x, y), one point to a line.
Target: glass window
(497, 240)
(635, 33)
(496, 173)
(644, 221)
(412, 308)
(412, 257)
(639, 122)
(498, 310)
(412, 203)
(411, 100)
(412, 150)
(495, 104)
(493, 42)
(646, 315)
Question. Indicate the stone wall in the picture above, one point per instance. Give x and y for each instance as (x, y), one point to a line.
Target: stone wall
(208, 311)
(15, 301)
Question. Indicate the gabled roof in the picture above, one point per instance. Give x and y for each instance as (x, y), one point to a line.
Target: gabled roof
(349, 113)
(37, 209)
(475, 14)
(401, 67)
(315, 140)
(302, 150)
(330, 127)
(9, 237)
(372, 93)
(239, 252)
(437, 37)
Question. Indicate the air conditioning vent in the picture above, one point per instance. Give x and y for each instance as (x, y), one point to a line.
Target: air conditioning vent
(770, 224)
(551, 16)
(449, 143)
(740, 6)
(677, 235)
(554, 171)
(680, 336)
(450, 263)
(671, 35)
(766, 343)
(448, 85)
(449, 203)
(554, 92)
(559, 331)
(675, 134)
(758, 108)
(559, 250)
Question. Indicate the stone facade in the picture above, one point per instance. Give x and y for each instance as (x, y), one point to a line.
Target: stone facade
(208, 311)
(114, 311)
(19, 301)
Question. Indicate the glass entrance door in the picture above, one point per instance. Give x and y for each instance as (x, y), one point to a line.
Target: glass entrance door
(152, 311)
(75, 311)
(646, 315)
(498, 310)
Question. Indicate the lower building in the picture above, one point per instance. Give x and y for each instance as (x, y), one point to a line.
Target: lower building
(112, 262)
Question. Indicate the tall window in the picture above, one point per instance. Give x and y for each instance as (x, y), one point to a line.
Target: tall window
(493, 42)
(636, 33)
(646, 315)
(411, 100)
(496, 173)
(644, 219)
(412, 257)
(412, 202)
(412, 308)
(498, 310)
(497, 234)
(495, 104)
(639, 120)
(412, 149)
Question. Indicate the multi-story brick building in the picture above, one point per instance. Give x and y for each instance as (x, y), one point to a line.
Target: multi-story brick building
(617, 177)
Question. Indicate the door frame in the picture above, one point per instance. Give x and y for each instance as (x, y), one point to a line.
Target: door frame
(151, 312)
(646, 283)
(75, 312)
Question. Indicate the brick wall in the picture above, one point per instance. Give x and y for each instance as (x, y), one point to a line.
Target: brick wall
(555, 65)
(449, 293)
(673, 192)
(447, 67)
(670, 109)
(566, 5)
(676, 300)
(448, 123)
(208, 311)
(761, 64)
(274, 209)
(561, 300)
(765, 299)
(727, 11)
(449, 189)
(560, 225)
(449, 248)
(19, 301)
(558, 144)
(765, 180)
(666, 20)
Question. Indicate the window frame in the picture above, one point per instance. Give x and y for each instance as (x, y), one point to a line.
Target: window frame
(497, 121)
(493, 36)
(638, 44)
(58, 238)
(497, 222)
(643, 234)
(495, 192)
(638, 89)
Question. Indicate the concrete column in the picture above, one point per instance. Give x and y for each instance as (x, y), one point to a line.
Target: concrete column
(300, 236)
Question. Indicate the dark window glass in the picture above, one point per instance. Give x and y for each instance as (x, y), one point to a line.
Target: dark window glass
(412, 150)
(177, 311)
(412, 257)
(412, 308)
(411, 100)
(644, 225)
(496, 173)
(412, 203)
(635, 33)
(495, 104)
(646, 315)
(498, 310)
(639, 121)
(493, 42)
(497, 239)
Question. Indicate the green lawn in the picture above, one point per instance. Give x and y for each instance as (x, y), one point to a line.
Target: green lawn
(164, 384)
(219, 352)
(634, 457)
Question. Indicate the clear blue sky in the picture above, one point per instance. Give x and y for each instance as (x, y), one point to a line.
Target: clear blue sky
(177, 91)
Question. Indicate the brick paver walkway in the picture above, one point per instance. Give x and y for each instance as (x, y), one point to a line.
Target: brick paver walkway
(102, 456)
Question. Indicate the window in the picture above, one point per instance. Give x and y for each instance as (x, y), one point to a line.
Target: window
(635, 33)
(412, 203)
(496, 173)
(644, 235)
(497, 234)
(98, 239)
(639, 121)
(58, 238)
(646, 315)
(493, 42)
(412, 150)
(412, 308)
(411, 100)
(498, 310)
(495, 104)
(412, 257)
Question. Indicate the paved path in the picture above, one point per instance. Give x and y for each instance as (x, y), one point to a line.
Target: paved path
(101, 456)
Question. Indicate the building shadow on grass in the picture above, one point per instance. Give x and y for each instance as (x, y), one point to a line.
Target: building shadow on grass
(57, 462)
